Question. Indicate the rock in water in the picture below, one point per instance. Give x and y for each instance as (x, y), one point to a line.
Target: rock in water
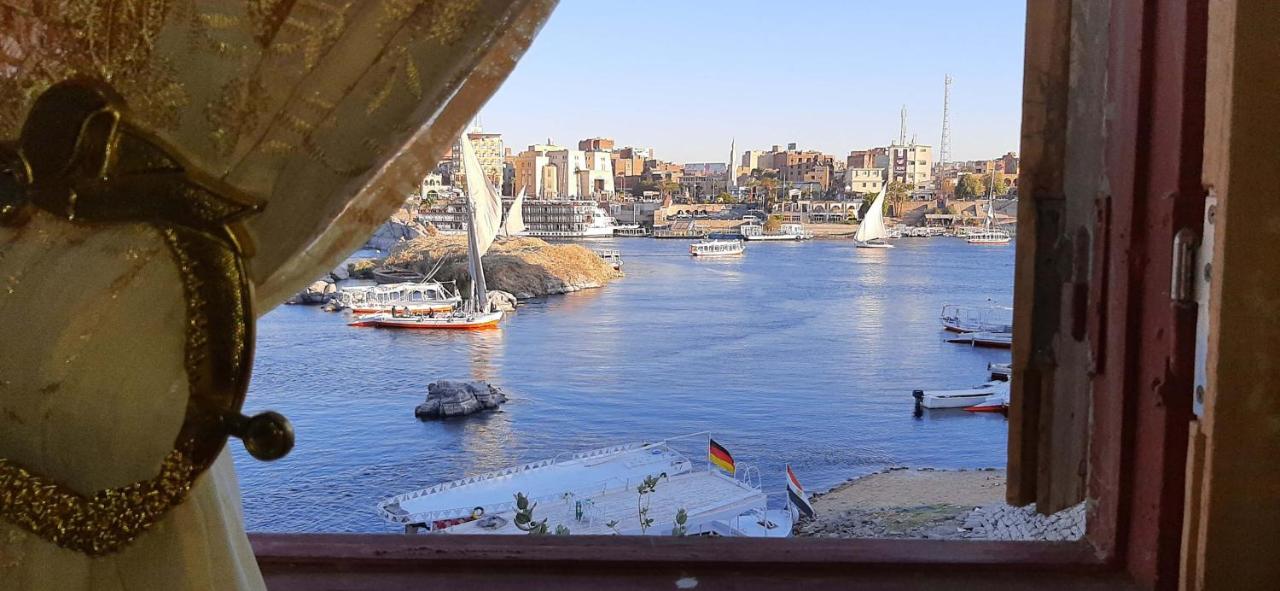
(447, 398)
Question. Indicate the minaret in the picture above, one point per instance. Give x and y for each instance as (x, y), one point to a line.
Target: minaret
(944, 147)
(733, 178)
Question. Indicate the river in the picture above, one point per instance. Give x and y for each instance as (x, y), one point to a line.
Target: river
(800, 353)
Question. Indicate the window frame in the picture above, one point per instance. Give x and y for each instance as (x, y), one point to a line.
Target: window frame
(1136, 433)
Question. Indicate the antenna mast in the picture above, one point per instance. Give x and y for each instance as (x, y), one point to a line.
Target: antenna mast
(944, 147)
(902, 130)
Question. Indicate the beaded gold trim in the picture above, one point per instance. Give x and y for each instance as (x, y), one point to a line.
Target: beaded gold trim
(100, 523)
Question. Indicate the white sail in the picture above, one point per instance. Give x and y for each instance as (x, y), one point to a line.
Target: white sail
(486, 203)
(515, 216)
(873, 223)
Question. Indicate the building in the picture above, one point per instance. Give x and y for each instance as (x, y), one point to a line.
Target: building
(863, 180)
(751, 159)
(488, 147)
(596, 144)
(547, 171)
(911, 163)
(705, 168)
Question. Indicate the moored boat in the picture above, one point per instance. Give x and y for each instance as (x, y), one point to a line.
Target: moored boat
(999, 340)
(417, 298)
(989, 318)
(458, 320)
(960, 398)
(595, 493)
(785, 232)
(716, 248)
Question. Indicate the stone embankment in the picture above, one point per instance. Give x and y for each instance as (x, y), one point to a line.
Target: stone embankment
(524, 267)
(934, 504)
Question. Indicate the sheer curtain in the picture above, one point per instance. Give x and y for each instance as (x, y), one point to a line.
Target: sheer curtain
(327, 111)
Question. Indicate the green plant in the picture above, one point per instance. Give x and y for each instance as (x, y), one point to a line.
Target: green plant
(682, 517)
(524, 519)
(613, 525)
(649, 485)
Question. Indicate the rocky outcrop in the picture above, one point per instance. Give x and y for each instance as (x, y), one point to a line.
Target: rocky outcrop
(401, 227)
(447, 399)
(315, 294)
(525, 267)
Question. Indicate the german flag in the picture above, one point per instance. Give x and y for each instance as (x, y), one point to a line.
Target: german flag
(720, 456)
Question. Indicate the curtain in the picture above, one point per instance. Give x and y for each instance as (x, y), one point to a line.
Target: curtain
(328, 112)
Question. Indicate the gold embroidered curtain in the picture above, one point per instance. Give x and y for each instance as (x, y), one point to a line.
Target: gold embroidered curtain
(327, 112)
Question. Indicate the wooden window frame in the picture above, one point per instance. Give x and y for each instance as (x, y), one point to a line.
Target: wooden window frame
(1098, 342)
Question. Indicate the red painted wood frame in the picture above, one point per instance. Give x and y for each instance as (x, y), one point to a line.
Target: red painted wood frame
(1141, 404)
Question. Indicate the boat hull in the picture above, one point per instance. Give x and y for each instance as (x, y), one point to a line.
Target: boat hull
(876, 245)
(963, 398)
(476, 322)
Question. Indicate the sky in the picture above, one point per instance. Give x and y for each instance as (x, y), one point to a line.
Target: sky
(686, 77)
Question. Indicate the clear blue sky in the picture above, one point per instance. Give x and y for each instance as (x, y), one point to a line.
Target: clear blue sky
(684, 77)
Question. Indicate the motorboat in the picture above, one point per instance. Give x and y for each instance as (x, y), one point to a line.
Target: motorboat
(457, 320)
(631, 231)
(596, 493)
(997, 402)
(679, 230)
(612, 256)
(1000, 371)
(871, 232)
(961, 398)
(716, 248)
(989, 318)
(999, 340)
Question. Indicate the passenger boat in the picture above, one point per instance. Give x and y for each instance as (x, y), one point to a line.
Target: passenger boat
(989, 318)
(960, 398)
(716, 248)
(871, 232)
(631, 232)
(416, 298)
(999, 340)
(612, 256)
(990, 234)
(678, 231)
(483, 210)
(785, 232)
(595, 493)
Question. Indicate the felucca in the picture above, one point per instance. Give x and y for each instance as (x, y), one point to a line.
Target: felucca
(483, 207)
(871, 233)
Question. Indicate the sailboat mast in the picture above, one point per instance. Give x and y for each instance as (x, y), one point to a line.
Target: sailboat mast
(479, 291)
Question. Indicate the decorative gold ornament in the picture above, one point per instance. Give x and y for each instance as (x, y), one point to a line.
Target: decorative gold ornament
(80, 158)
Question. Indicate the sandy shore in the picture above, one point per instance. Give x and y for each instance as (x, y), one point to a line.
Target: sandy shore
(895, 503)
(936, 504)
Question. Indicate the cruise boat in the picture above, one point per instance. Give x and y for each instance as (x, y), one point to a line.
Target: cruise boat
(990, 318)
(595, 493)
(550, 218)
(871, 232)
(999, 340)
(483, 209)
(716, 248)
(961, 398)
(785, 232)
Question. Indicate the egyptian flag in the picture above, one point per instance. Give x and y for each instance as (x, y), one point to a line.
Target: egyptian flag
(720, 456)
(795, 493)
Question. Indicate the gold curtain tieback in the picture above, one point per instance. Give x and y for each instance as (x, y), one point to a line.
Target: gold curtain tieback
(80, 158)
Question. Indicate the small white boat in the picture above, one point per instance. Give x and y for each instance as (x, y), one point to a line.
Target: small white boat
(871, 232)
(999, 340)
(595, 493)
(1000, 371)
(990, 318)
(961, 398)
(785, 232)
(997, 402)
(716, 248)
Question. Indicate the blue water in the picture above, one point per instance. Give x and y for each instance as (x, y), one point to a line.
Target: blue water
(804, 353)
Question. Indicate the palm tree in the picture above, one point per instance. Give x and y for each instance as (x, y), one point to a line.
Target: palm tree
(768, 183)
(895, 194)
